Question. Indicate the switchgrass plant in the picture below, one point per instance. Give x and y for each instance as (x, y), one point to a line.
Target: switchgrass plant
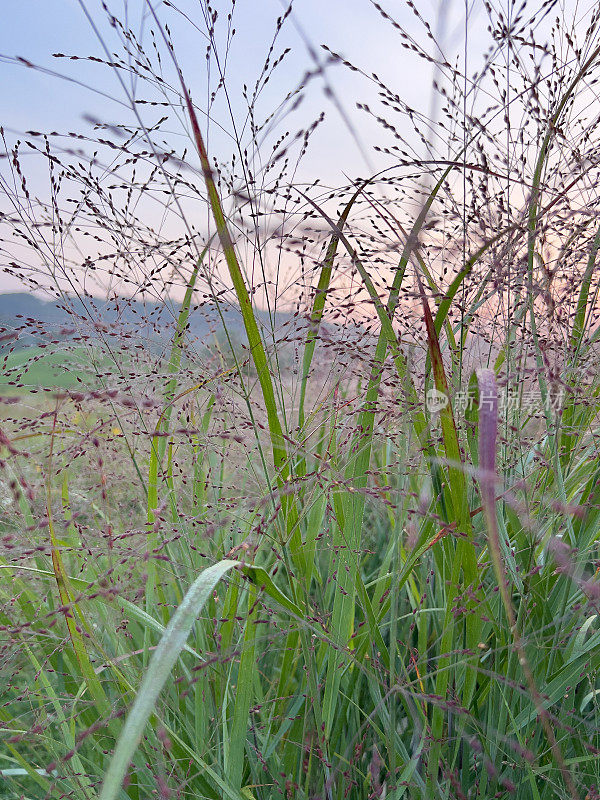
(317, 516)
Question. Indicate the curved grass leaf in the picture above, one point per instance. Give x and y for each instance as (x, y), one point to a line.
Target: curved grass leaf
(319, 305)
(162, 662)
(255, 343)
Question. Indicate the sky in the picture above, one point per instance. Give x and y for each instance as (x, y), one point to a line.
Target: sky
(40, 100)
(34, 30)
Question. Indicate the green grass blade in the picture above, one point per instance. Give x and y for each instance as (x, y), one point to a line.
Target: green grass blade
(162, 662)
(255, 343)
(488, 433)
(319, 305)
(236, 744)
(464, 556)
(568, 427)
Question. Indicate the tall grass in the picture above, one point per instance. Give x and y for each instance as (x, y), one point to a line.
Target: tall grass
(341, 539)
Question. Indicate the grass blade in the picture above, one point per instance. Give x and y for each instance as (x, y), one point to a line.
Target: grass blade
(162, 662)
(465, 557)
(488, 433)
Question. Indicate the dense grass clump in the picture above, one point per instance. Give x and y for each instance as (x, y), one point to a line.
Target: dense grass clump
(308, 506)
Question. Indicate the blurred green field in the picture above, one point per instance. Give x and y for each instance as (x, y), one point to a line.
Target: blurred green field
(82, 368)
(41, 367)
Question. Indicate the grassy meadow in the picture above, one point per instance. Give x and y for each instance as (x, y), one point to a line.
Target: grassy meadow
(343, 542)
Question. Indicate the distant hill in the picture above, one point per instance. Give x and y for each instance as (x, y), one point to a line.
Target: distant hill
(46, 343)
(42, 341)
(25, 320)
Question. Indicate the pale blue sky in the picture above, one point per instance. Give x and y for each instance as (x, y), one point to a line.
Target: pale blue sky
(34, 29)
